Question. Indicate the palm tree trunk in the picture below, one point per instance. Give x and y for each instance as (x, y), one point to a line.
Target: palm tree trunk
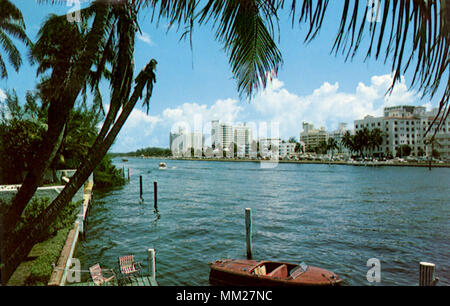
(57, 120)
(58, 115)
(34, 229)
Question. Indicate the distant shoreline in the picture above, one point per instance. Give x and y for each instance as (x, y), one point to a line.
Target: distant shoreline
(381, 164)
(406, 164)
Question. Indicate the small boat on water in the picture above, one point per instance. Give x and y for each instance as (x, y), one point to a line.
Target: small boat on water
(243, 272)
(162, 165)
(124, 159)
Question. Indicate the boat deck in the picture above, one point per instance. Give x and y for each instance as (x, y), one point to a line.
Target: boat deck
(143, 281)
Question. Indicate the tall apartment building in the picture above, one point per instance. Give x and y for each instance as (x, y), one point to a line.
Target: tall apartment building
(243, 139)
(312, 137)
(221, 134)
(407, 125)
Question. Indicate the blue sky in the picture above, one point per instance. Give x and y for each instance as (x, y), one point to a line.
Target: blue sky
(196, 86)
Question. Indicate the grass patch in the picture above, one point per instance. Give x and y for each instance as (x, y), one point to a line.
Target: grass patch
(37, 269)
(41, 269)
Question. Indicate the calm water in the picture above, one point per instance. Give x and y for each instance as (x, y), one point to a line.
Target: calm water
(335, 217)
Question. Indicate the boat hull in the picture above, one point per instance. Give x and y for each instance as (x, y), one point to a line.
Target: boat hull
(231, 272)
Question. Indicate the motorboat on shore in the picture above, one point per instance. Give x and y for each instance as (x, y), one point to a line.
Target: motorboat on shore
(244, 272)
(162, 165)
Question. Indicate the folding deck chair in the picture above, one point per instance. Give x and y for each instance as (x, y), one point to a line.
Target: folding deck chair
(129, 267)
(97, 275)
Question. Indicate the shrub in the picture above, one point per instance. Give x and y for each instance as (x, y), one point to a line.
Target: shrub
(106, 175)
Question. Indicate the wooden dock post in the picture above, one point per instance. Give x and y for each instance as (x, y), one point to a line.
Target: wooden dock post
(140, 186)
(155, 194)
(151, 263)
(248, 231)
(426, 274)
(128, 174)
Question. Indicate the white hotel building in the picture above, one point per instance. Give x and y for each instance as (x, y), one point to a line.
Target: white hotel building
(406, 125)
(243, 139)
(221, 135)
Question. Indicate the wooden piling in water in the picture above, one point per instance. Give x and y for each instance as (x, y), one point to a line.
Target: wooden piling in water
(155, 194)
(426, 274)
(248, 231)
(140, 186)
(128, 174)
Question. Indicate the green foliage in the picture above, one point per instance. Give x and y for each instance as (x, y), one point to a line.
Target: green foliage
(37, 205)
(21, 134)
(363, 140)
(404, 150)
(11, 24)
(52, 241)
(435, 153)
(41, 269)
(80, 134)
(106, 175)
(150, 151)
(321, 148)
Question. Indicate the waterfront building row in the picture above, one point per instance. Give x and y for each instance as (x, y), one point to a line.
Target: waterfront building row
(412, 126)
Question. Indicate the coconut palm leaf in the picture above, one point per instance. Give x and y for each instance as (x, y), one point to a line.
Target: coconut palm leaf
(246, 28)
(11, 25)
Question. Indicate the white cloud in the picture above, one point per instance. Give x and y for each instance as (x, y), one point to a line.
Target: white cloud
(196, 117)
(144, 37)
(325, 106)
(137, 132)
(328, 105)
(2, 95)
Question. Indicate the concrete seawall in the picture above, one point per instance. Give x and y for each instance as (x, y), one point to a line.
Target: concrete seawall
(61, 269)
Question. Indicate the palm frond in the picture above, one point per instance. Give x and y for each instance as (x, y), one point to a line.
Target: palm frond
(246, 28)
(13, 54)
(421, 27)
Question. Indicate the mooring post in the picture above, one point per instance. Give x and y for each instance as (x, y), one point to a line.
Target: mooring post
(248, 231)
(140, 186)
(151, 263)
(128, 174)
(155, 194)
(123, 171)
(426, 274)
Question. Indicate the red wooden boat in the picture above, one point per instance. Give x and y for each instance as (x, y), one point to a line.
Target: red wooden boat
(242, 272)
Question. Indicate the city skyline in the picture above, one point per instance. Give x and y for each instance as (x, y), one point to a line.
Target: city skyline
(399, 126)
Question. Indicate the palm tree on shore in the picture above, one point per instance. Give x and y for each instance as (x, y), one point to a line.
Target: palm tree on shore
(332, 145)
(375, 140)
(348, 141)
(11, 25)
(431, 142)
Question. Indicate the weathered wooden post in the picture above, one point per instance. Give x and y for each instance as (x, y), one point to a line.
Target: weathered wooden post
(426, 274)
(155, 194)
(248, 231)
(128, 174)
(151, 263)
(123, 172)
(140, 186)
